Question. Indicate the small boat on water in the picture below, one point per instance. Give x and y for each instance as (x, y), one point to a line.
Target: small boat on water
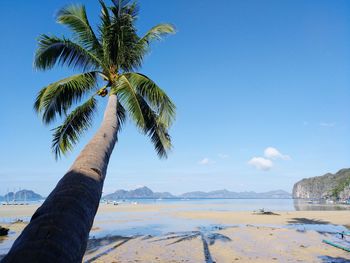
(313, 201)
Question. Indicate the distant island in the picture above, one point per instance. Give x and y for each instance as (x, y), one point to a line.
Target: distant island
(329, 186)
(145, 192)
(22, 195)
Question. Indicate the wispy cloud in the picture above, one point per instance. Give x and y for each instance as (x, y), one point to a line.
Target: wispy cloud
(261, 163)
(273, 153)
(204, 161)
(223, 155)
(327, 124)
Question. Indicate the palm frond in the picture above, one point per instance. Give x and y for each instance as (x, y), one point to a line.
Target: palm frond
(58, 97)
(77, 122)
(130, 55)
(52, 50)
(119, 37)
(114, 53)
(128, 97)
(104, 35)
(74, 16)
(105, 17)
(155, 128)
(156, 33)
(124, 7)
(154, 95)
(121, 114)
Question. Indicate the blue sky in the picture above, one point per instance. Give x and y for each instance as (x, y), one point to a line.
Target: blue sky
(262, 90)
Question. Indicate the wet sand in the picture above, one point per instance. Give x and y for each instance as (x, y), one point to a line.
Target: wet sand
(194, 233)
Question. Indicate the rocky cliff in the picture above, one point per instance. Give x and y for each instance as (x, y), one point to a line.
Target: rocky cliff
(326, 186)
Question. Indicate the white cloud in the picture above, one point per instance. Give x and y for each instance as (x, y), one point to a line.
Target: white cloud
(223, 155)
(261, 163)
(266, 163)
(204, 161)
(327, 124)
(273, 153)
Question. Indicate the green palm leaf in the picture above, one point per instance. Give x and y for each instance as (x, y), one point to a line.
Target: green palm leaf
(128, 97)
(154, 95)
(78, 121)
(63, 51)
(120, 42)
(157, 32)
(121, 112)
(58, 97)
(155, 129)
(122, 7)
(114, 54)
(74, 16)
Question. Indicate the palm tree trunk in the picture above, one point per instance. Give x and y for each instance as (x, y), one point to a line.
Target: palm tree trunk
(58, 231)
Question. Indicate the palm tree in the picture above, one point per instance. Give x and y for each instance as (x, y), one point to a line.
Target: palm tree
(59, 229)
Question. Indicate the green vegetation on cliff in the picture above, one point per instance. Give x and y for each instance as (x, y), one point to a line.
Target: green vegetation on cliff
(335, 186)
(341, 187)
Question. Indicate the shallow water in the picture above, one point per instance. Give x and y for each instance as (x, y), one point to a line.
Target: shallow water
(154, 224)
(244, 204)
(160, 223)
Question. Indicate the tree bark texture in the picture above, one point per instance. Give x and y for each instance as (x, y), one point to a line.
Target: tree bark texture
(59, 229)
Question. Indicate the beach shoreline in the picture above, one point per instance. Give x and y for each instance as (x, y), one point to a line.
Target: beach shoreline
(192, 233)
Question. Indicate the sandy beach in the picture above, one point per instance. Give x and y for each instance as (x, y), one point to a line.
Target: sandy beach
(195, 233)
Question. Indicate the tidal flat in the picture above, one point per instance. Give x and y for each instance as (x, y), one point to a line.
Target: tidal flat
(201, 231)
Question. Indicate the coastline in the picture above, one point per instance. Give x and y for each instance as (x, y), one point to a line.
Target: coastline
(196, 233)
(187, 211)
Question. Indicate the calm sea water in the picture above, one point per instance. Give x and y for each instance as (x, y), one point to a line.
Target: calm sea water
(242, 204)
(160, 222)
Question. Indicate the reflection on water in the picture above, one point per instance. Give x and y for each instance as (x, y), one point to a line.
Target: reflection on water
(142, 223)
(320, 205)
(242, 204)
(161, 223)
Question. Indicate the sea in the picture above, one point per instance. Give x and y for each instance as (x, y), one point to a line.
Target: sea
(243, 204)
(157, 223)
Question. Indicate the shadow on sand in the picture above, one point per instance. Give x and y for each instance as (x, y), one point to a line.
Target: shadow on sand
(95, 243)
(206, 235)
(302, 220)
(328, 259)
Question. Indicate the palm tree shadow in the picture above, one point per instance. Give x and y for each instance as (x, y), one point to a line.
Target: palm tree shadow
(207, 237)
(95, 243)
(328, 259)
(303, 220)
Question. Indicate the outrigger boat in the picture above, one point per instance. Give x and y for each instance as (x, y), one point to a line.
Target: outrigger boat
(342, 241)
